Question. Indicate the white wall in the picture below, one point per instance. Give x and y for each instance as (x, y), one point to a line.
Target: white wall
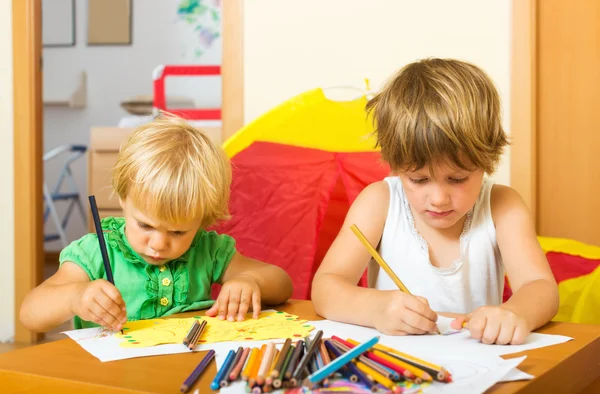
(116, 73)
(293, 46)
(7, 262)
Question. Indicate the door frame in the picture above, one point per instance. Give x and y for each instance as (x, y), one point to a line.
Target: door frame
(232, 68)
(523, 103)
(28, 151)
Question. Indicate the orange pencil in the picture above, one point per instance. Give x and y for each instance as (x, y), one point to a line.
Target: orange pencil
(377, 257)
(248, 369)
(438, 370)
(256, 366)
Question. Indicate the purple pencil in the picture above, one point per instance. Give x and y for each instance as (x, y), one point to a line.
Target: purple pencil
(189, 382)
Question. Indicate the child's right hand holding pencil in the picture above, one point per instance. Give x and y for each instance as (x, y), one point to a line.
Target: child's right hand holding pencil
(100, 302)
(404, 314)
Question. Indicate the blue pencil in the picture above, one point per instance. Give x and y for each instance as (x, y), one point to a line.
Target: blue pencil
(216, 383)
(197, 371)
(344, 359)
(350, 367)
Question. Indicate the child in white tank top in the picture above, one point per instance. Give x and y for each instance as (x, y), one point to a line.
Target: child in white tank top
(439, 222)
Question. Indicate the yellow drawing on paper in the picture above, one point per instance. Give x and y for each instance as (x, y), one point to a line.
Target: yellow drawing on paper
(269, 325)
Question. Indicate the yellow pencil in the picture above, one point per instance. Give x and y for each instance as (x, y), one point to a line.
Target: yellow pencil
(382, 263)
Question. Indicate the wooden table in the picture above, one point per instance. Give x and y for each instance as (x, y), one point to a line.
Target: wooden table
(63, 366)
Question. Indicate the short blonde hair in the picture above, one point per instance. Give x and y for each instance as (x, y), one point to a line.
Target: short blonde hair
(174, 172)
(439, 109)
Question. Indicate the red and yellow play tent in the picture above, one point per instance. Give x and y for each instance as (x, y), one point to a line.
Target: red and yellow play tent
(297, 169)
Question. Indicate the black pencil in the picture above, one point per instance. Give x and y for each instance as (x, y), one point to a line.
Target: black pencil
(100, 234)
(306, 359)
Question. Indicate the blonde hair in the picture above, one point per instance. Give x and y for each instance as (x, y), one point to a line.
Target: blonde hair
(174, 172)
(439, 109)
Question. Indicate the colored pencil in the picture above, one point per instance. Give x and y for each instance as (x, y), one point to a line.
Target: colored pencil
(101, 241)
(256, 366)
(306, 359)
(377, 257)
(268, 378)
(355, 372)
(436, 370)
(295, 359)
(387, 372)
(191, 332)
(278, 382)
(250, 364)
(266, 363)
(402, 372)
(216, 383)
(235, 372)
(377, 376)
(281, 358)
(225, 379)
(197, 335)
(342, 360)
(189, 382)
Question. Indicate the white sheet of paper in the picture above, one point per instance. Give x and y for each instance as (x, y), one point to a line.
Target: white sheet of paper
(472, 375)
(426, 345)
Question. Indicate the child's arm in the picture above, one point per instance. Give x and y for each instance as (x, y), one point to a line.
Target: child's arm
(335, 293)
(535, 294)
(249, 282)
(70, 292)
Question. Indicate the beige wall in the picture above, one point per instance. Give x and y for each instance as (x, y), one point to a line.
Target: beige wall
(292, 46)
(7, 289)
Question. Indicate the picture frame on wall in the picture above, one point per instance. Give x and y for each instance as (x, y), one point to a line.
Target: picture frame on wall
(58, 23)
(109, 22)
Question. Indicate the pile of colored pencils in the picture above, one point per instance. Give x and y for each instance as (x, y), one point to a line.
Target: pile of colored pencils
(314, 363)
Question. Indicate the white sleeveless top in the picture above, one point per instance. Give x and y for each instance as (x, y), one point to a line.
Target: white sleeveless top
(475, 279)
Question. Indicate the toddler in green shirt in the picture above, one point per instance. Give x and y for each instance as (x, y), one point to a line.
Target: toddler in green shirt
(172, 183)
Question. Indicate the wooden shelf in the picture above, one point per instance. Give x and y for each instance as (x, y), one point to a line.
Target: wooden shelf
(78, 98)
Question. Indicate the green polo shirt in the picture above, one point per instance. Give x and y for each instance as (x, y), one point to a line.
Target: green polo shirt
(151, 291)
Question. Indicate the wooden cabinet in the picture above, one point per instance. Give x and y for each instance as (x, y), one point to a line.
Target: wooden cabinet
(105, 143)
(104, 147)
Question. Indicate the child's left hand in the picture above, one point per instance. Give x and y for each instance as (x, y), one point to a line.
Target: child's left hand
(494, 324)
(235, 298)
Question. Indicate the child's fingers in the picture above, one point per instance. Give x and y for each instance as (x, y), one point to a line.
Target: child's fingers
(477, 326)
(458, 322)
(113, 293)
(245, 300)
(491, 332)
(506, 334)
(104, 317)
(114, 312)
(234, 304)
(223, 302)
(97, 319)
(418, 323)
(416, 305)
(212, 312)
(256, 304)
(520, 335)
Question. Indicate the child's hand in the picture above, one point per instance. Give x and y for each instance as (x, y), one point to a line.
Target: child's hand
(235, 298)
(494, 324)
(403, 314)
(100, 302)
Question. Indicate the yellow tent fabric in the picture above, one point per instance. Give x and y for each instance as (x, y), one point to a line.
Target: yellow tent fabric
(310, 120)
(579, 296)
